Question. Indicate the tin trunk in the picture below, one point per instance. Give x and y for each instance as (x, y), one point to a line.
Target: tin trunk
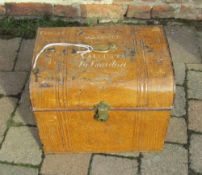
(102, 89)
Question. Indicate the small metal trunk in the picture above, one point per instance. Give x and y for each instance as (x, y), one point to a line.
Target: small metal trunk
(102, 88)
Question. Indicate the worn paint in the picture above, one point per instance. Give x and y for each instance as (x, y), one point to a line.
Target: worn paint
(135, 79)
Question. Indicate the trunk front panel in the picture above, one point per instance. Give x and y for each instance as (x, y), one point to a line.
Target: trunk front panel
(123, 131)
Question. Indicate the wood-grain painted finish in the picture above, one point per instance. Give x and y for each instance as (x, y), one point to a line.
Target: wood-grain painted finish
(135, 77)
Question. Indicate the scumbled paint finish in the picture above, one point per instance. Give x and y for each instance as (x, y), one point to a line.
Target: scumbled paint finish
(129, 68)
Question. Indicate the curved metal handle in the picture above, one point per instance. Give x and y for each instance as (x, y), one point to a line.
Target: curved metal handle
(104, 48)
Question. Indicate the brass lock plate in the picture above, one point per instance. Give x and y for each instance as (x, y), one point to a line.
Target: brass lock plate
(102, 111)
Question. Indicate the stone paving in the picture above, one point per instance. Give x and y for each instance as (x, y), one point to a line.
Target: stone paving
(21, 152)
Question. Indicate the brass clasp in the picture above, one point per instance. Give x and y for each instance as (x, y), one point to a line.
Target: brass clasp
(102, 111)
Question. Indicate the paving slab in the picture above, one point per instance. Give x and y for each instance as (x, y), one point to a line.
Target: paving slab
(194, 84)
(8, 53)
(11, 83)
(6, 169)
(7, 106)
(196, 153)
(21, 146)
(195, 115)
(172, 160)
(177, 131)
(25, 55)
(65, 164)
(183, 44)
(195, 94)
(179, 70)
(104, 165)
(24, 114)
(179, 103)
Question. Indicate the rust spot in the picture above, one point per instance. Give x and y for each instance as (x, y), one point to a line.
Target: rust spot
(74, 51)
(147, 48)
(80, 33)
(65, 52)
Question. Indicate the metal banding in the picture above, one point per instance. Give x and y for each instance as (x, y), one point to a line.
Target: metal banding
(111, 109)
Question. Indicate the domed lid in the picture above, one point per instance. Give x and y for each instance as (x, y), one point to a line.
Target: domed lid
(127, 67)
